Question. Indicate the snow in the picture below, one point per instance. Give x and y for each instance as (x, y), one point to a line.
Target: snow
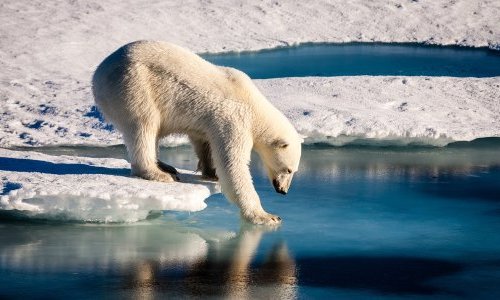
(91, 189)
(388, 110)
(49, 49)
(67, 39)
(336, 110)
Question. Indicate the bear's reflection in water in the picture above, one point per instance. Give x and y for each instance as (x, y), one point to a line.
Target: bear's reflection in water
(225, 271)
(151, 261)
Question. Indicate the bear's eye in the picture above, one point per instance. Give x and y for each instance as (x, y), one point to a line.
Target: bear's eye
(279, 144)
(289, 171)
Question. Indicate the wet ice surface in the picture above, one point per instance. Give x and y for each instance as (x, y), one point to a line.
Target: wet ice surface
(358, 222)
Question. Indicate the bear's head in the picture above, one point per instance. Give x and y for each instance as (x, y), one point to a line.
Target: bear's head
(281, 158)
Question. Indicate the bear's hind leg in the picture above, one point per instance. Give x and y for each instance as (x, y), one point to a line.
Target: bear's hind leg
(141, 147)
(205, 163)
(163, 166)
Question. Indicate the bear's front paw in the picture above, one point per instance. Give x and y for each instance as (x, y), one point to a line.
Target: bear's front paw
(262, 218)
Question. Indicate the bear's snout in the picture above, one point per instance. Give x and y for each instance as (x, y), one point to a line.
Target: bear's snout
(279, 189)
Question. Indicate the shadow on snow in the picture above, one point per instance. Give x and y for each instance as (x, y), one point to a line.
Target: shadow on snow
(31, 165)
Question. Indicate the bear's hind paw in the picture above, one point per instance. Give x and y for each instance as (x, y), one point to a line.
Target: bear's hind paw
(158, 176)
(210, 178)
(166, 168)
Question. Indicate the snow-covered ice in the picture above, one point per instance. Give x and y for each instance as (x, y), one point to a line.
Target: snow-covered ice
(389, 110)
(49, 49)
(69, 38)
(337, 110)
(91, 189)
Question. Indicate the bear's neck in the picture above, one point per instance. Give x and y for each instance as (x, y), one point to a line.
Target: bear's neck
(269, 124)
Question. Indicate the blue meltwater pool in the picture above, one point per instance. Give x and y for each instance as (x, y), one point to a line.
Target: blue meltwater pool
(364, 59)
(362, 223)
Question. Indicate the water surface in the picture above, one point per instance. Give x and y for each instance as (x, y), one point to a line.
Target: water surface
(354, 59)
(383, 223)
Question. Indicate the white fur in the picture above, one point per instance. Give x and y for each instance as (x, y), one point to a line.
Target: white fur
(149, 90)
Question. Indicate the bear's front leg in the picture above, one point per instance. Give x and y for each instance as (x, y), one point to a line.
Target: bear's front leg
(231, 158)
(237, 186)
(247, 199)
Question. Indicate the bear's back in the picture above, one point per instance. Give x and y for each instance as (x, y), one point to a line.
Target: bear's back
(166, 62)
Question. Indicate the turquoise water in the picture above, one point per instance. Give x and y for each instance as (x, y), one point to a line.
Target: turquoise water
(383, 223)
(364, 59)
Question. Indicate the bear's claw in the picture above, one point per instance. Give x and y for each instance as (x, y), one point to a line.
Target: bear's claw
(263, 219)
(167, 168)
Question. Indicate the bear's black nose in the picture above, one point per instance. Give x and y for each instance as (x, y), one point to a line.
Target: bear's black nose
(278, 188)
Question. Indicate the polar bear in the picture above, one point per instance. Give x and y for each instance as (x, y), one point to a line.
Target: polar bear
(150, 89)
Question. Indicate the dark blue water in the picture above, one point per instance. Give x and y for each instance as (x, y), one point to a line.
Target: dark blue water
(383, 223)
(364, 59)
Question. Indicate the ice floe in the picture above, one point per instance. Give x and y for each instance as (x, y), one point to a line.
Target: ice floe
(70, 38)
(49, 50)
(389, 110)
(336, 110)
(91, 189)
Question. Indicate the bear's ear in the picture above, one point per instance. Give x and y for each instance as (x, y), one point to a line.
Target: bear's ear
(302, 138)
(279, 143)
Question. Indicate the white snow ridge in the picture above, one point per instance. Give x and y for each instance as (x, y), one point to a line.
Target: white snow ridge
(388, 110)
(91, 189)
